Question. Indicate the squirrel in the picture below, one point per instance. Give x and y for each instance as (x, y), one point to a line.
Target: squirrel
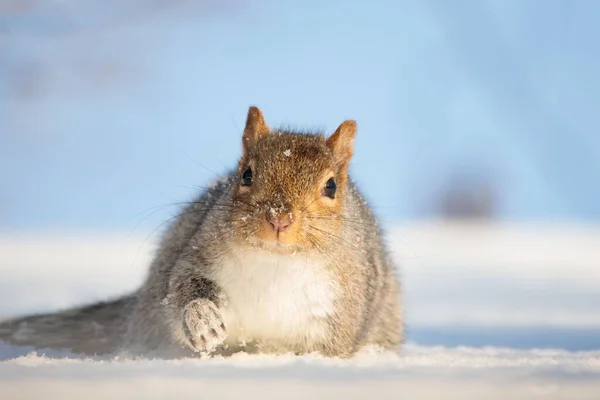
(280, 255)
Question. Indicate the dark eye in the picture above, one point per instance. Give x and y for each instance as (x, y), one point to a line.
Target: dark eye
(247, 177)
(330, 188)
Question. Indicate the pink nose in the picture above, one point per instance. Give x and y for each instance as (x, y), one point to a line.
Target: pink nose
(280, 224)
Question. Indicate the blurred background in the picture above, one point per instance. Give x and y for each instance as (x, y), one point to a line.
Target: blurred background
(483, 114)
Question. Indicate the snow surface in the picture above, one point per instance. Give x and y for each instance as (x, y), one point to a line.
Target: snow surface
(471, 290)
(420, 372)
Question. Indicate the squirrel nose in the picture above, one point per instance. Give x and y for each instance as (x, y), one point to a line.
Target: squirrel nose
(281, 223)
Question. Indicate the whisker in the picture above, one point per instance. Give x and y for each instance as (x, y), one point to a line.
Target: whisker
(308, 205)
(159, 208)
(155, 229)
(327, 258)
(204, 166)
(353, 223)
(339, 238)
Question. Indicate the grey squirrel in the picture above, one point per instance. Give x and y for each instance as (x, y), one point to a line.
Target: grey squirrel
(280, 255)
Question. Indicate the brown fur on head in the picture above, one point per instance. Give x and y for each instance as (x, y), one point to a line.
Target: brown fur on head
(284, 200)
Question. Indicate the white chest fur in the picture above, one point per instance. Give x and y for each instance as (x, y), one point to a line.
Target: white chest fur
(279, 298)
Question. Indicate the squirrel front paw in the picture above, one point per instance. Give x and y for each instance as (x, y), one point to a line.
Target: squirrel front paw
(203, 327)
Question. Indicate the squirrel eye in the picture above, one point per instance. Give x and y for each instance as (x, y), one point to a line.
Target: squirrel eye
(330, 189)
(247, 177)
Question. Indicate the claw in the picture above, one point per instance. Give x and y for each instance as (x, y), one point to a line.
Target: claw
(201, 325)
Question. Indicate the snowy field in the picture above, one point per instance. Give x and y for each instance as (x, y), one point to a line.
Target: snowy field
(501, 311)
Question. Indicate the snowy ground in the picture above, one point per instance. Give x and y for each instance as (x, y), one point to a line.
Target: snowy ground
(492, 312)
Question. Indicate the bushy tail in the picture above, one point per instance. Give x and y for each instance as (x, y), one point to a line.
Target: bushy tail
(92, 330)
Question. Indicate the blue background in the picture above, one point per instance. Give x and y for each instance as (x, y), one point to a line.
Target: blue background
(108, 109)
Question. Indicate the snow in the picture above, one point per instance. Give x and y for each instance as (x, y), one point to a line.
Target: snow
(418, 373)
(493, 311)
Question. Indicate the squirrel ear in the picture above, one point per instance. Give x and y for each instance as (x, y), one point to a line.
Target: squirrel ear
(255, 128)
(341, 142)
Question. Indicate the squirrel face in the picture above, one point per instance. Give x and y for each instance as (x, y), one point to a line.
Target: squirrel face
(290, 187)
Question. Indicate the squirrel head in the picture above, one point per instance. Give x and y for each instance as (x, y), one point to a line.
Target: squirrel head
(291, 187)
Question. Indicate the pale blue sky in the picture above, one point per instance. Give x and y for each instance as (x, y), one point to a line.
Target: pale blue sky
(127, 100)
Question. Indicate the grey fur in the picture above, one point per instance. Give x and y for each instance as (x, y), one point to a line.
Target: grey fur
(178, 308)
(92, 329)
